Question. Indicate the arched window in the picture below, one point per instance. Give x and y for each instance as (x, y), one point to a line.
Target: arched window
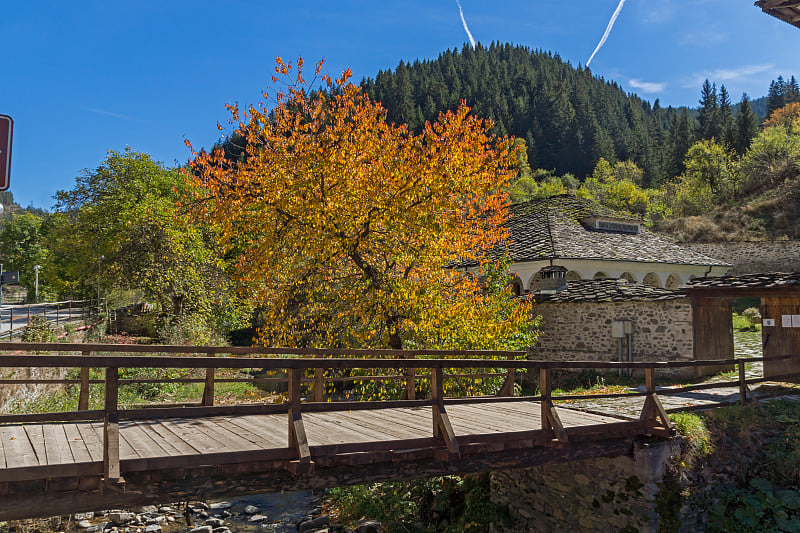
(601, 275)
(574, 275)
(652, 279)
(627, 276)
(673, 282)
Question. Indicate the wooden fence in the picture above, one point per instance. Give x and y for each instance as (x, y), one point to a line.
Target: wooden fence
(64, 311)
(309, 366)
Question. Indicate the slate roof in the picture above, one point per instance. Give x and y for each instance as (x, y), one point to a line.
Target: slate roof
(551, 228)
(607, 290)
(768, 280)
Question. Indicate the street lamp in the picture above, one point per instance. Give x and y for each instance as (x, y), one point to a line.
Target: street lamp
(36, 283)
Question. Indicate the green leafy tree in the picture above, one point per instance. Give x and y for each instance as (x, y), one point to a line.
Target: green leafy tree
(121, 223)
(773, 157)
(23, 245)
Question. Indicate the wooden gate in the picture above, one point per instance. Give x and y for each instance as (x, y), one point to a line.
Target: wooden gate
(783, 338)
(713, 332)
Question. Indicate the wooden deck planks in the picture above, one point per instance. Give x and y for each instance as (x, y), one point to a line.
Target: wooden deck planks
(36, 436)
(32, 446)
(18, 449)
(56, 445)
(77, 446)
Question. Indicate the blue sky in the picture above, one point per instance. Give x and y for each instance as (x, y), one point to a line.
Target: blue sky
(80, 78)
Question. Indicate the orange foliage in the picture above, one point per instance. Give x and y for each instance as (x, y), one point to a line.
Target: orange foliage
(788, 115)
(343, 224)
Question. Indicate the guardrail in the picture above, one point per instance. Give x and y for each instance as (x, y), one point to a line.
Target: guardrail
(64, 311)
(308, 366)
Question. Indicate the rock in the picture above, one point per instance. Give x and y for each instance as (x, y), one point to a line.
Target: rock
(313, 525)
(221, 530)
(83, 516)
(148, 509)
(225, 514)
(170, 519)
(199, 505)
(368, 526)
(83, 524)
(166, 509)
(257, 518)
(250, 509)
(202, 529)
(97, 527)
(218, 506)
(214, 522)
(121, 517)
(152, 528)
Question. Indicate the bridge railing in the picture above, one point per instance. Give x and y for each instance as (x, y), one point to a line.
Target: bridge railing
(297, 363)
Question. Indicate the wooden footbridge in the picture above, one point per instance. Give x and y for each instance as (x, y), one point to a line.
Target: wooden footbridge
(87, 459)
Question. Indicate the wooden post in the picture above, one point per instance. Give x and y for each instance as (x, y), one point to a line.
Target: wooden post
(29, 313)
(11, 322)
(111, 469)
(742, 385)
(57, 317)
(653, 410)
(83, 397)
(297, 433)
(69, 309)
(208, 390)
(319, 382)
(507, 389)
(441, 422)
(550, 418)
(411, 381)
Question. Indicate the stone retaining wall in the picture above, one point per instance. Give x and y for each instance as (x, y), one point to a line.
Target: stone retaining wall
(662, 330)
(752, 257)
(606, 494)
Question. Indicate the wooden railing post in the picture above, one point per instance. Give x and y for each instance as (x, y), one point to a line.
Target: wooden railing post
(742, 384)
(11, 322)
(58, 307)
(508, 384)
(410, 392)
(111, 470)
(550, 418)
(297, 433)
(653, 410)
(208, 389)
(319, 382)
(83, 396)
(441, 422)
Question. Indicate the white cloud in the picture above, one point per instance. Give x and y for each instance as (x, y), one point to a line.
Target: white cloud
(722, 75)
(647, 86)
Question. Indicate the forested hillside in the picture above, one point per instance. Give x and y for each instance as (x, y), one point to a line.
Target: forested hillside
(568, 117)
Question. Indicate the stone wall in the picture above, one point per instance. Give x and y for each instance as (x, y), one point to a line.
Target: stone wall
(662, 330)
(606, 494)
(752, 257)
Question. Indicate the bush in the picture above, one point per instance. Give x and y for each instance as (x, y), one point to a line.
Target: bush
(38, 330)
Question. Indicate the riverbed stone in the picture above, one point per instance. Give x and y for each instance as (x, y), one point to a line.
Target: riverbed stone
(148, 509)
(218, 506)
(215, 522)
(202, 529)
(258, 518)
(83, 516)
(368, 526)
(121, 517)
(314, 524)
(250, 509)
(152, 528)
(84, 524)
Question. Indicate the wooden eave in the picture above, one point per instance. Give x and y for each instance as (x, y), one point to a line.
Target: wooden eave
(785, 10)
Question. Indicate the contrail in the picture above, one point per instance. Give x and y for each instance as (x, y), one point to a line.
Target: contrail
(464, 22)
(608, 30)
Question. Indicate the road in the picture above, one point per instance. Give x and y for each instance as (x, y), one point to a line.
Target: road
(21, 315)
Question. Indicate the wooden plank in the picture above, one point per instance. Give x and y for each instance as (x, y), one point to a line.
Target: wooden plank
(270, 427)
(141, 441)
(166, 438)
(189, 432)
(393, 429)
(18, 449)
(90, 436)
(77, 446)
(2, 453)
(56, 445)
(36, 436)
(247, 431)
(370, 432)
(228, 434)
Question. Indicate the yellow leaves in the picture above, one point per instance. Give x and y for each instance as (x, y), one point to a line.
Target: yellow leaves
(344, 224)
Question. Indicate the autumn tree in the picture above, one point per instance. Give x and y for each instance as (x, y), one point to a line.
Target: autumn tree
(345, 226)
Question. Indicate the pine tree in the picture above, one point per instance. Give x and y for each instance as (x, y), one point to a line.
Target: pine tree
(746, 126)
(678, 143)
(775, 96)
(708, 116)
(725, 117)
(792, 91)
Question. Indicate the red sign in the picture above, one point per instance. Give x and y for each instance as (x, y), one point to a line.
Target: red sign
(6, 132)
